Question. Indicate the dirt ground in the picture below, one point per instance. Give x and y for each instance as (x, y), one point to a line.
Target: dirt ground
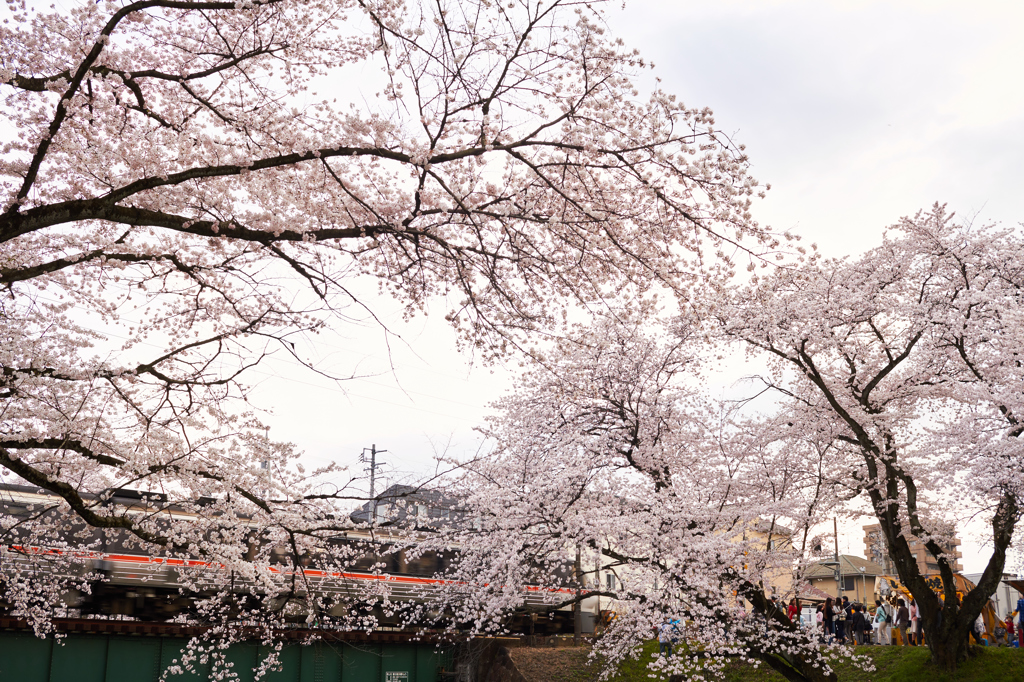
(554, 665)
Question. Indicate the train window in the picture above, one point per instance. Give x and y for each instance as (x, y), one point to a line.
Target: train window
(365, 562)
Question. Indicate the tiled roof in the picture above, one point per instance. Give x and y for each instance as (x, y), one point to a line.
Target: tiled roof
(809, 592)
(399, 503)
(764, 525)
(849, 565)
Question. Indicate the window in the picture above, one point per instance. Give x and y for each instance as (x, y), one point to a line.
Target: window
(609, 581)
(849, 583)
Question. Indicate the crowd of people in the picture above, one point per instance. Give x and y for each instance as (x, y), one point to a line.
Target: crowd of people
(891, 621)
(848, 622)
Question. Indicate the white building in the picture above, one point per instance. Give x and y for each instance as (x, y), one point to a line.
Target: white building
(1005, 597)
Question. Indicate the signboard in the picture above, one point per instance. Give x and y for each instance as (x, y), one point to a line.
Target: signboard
(396, 676)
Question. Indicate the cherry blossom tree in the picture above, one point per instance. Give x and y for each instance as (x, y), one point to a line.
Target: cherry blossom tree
(910, 355)
(188, 186)
(609, 458)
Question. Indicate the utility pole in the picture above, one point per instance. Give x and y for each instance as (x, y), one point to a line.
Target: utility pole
(577, 608)
(374, 464)
(839, 565)
(265, 464)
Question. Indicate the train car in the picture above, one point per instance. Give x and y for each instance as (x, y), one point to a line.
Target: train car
(116, 580)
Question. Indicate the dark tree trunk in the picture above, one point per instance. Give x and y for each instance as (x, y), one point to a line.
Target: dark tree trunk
(949, 651)
(947, 623)
(794, 667)
(892, 489)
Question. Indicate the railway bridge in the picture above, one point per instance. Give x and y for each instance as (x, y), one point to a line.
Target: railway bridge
(113, 651)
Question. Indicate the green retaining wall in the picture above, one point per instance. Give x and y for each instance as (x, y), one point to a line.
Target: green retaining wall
(120, 658)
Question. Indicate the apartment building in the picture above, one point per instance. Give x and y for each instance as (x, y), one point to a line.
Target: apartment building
(877, 552)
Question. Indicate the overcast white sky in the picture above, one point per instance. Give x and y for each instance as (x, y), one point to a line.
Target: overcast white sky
(857, 113)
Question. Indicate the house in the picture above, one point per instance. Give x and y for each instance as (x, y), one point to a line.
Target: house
(411, 507)
(772, 538)
(856, 577)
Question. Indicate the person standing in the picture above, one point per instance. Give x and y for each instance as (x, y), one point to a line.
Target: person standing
(884, 619)
(903, 621)
(869, 625)
(775, 607)
(792, 611)
(1020, 622)
(840, 622)
(847, 615)
(892, 608)
(979, 629)
(915, 623)
(857, 624)
(666, 633)
(829, 618)
(1000, 633)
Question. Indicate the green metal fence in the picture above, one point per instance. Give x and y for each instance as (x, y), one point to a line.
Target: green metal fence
(115, 658)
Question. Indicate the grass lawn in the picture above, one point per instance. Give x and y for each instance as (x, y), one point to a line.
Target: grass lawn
(892, 664)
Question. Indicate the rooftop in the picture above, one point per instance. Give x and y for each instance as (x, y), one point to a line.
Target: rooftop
(810, 593)
(848, 564)
(405, 504)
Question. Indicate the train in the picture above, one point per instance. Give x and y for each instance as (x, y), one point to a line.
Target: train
(116, 580)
